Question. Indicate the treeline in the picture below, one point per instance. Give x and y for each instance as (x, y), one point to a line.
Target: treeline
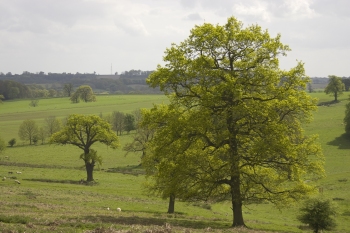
(37, 85)
(29, 131)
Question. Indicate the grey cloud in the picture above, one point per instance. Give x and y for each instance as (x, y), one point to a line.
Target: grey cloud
(39, 16)
(131, 25)
(193, 17)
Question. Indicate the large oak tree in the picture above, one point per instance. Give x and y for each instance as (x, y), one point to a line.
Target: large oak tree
(83, 131)
(233, 128)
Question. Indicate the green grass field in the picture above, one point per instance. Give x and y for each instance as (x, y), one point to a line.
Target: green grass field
(50, 197)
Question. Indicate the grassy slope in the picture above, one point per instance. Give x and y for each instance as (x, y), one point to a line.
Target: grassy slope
(62, 203)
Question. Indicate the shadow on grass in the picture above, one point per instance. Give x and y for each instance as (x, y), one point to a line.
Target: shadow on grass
(343, 141)
(328, 103)
(82, 182)
(149, 221)
(14, 164)
(134, 170)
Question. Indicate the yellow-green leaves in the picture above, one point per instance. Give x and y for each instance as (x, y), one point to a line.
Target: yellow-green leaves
(233, 128)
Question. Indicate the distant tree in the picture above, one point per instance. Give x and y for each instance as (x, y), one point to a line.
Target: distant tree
(309, 87)
(75, 98)
(118, 122)
(28, 130)
(68, 89)
(335, 87)
(42, 133)
(347, 117)
(84, 93)
(137, 116)
(83, 131)
(53, 125)
(2, 145)
(1, 98)
(129, 122)
(12, 142)
(139, 142)
(34, 103)
(346, 81)
(317, 213)
(52, 92)
(13, 92)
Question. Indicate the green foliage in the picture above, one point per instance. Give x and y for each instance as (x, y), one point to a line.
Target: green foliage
(233, 128)
(118, 122)
(2, 145)
(317, 213)
(12, 142)
(83, 131)
(347, 118)
(34, 103)
(1, 98)
(84, 93)
(335, 87)
(68, 89)
(53, 125)
(129, 122)
(28, 130)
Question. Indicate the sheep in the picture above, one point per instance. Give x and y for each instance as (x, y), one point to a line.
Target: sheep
(17, 181)
(107, 208)
(19, 172)
(118, 209)
(10, 172)
(4, 178)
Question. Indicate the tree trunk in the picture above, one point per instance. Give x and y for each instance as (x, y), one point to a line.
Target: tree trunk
(335, 96)
(89, 171)
(236, 202)
(171, 208)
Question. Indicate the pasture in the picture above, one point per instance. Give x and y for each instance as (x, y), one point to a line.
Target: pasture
(51, 198)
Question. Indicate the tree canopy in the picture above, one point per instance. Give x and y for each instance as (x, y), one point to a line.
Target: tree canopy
(335, 86)
(84, 93)
(83, 131)
(28, 130)
(233, 128)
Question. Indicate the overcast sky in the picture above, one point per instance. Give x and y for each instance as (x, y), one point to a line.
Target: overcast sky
(89, 36)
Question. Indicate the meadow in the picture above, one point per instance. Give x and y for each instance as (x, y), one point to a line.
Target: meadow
(51, 198)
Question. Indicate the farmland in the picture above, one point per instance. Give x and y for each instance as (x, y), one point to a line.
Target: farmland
(51, 198)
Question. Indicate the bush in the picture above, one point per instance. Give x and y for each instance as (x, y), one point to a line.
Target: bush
(12, 142)
(317, 214)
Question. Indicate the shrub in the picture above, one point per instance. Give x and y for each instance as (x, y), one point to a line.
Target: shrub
(317, 213)
(12, 142)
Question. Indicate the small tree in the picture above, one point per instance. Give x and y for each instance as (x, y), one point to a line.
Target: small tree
(28, 130)
(68, 89)
(34, 103)
(129, 122)
(53, 125)
(317, 213)
(84, 93)
(335, 87)
(118, 122)
(83, 131)
(42, 135)
(12, 142)
(1, 98)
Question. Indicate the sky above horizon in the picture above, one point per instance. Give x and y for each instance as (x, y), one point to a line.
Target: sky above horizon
(101, 36)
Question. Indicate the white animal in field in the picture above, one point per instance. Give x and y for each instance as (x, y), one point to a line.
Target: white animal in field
(19, 172)
(17, 181)
(107, 208)
(118, 209)
(4, 178)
